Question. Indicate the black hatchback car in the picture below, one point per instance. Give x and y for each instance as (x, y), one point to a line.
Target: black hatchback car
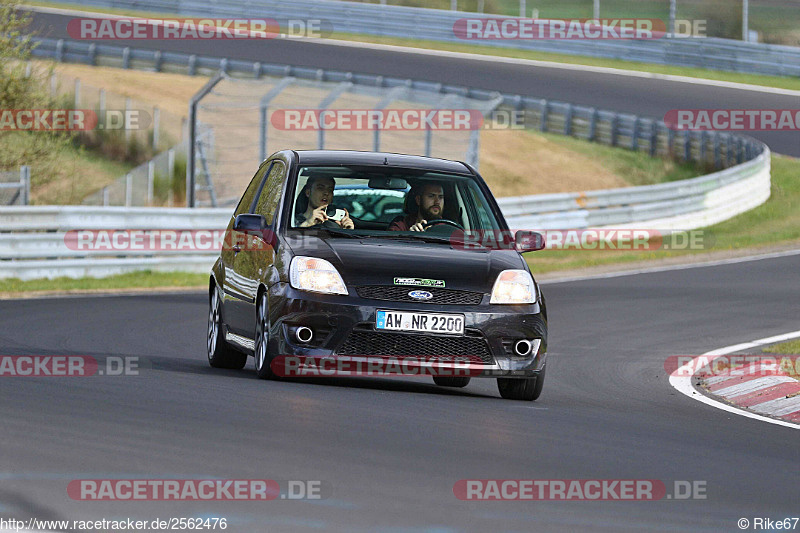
(344, 255)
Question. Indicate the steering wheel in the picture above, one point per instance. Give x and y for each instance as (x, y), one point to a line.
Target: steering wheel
(443, 221)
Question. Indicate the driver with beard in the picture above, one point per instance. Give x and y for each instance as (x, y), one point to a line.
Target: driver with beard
(430, 202)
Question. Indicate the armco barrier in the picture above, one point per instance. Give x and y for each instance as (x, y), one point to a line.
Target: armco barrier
(437, 25)
(683, 205)
(33, 245)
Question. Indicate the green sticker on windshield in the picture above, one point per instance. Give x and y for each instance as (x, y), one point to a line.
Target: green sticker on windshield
(419, 282)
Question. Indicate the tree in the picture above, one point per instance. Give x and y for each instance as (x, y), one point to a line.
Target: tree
(23, 87)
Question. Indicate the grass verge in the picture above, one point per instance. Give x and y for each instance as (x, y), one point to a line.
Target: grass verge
(790, 347)
(144, 280)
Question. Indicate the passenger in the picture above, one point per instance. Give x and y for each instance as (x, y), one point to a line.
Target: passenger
(430, 205)
(315, 197)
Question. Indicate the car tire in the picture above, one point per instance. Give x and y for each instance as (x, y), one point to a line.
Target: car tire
(525, 389)
(457, 382)
(261, 345)
(220, 354)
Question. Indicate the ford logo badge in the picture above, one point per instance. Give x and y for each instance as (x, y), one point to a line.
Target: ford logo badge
(420, 295)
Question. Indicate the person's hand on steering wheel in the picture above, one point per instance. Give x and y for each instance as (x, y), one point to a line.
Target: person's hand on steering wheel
(432, 223)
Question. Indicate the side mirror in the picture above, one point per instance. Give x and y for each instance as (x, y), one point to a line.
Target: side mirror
(256, 226)
(529, 241)
(247, 222)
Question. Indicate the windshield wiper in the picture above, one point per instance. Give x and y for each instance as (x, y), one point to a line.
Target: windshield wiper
(343, 233)
(418, 236)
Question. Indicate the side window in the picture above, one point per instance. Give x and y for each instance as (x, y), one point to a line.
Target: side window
(250, 192)
(270, 197)
(485, 221)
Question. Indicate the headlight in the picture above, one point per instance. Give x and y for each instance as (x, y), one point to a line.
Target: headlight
(315, 275)
(514, 287)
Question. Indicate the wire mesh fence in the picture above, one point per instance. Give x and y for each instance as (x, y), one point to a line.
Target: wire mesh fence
(243, 121)
(15, 186)
(158, 182)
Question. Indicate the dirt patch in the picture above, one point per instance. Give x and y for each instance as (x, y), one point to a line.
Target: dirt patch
(517, 163)
(170, 92)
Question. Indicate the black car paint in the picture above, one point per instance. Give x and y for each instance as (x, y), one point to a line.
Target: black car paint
(262, 266)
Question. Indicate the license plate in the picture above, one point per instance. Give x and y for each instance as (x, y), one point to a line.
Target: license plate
(424, 322)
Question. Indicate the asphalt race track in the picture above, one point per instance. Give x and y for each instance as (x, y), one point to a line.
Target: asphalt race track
(389, 451)
(643, 96)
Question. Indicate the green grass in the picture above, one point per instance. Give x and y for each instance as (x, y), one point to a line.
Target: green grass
(144, 279)
(777, 221)
(753, 79)
(791, 347)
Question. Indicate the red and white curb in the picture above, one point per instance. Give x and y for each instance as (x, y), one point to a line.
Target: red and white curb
(754, 391)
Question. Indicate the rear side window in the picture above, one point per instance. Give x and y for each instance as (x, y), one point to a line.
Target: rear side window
(250, 192)
(270, 197)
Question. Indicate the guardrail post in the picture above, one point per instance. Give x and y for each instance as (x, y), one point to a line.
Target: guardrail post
(105, 196)
(157, 61)
(543, 115)
(593, 124)
(568, 120)
(25, 184)
(102, 99)
(53, 84)
(739, 150)
(156, 126)
(126, 57)
(703, 141)
(60, 50)
(687, 145)
(717, 156)
(653, 138)
(728, 150)
(128, 189)
(77, 93)
(151, 175)
(614, 126)
(192, 65)
(171, 166)
(92, 54)
(635, 134)
(671, 142)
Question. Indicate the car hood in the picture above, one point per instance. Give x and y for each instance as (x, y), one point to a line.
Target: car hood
(378, 261)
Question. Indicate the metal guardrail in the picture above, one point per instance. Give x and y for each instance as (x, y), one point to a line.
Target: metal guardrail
(35, 240)
(437, 25)
(679, 205)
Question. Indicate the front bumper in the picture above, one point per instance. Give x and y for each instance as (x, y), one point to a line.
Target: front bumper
(490, 332)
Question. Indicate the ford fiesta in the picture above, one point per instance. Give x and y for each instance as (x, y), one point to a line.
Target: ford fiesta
(342, 255)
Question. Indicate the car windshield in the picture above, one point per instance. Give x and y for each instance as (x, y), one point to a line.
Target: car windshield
(389, 202)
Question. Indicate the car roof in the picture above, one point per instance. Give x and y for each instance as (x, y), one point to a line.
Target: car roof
(351, 157)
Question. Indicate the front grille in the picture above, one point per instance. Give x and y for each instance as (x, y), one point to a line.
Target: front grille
(366, 342)
(392, 293)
